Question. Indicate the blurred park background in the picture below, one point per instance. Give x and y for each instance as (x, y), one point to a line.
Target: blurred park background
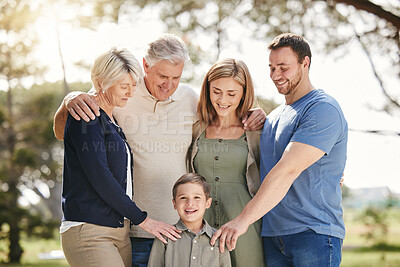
(47, 47)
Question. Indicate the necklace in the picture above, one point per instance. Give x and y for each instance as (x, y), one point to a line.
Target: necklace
(229, 126)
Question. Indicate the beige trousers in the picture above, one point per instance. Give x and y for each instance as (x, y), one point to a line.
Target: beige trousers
(89, 245)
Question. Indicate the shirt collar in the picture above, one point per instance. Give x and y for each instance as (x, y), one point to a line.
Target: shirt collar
(142, 90)
(206, 228)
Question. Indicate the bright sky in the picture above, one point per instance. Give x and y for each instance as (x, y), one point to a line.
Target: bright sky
(373, 160)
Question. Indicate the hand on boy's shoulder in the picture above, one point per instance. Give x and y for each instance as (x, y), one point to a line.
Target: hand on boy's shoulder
(159, 241)
(216, 245)
(224, 257)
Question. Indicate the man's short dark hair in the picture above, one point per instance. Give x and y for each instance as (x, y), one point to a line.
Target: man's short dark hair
(192, 178)
(299, 46)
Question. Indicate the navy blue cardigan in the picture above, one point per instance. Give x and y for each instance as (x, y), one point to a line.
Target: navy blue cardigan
(95, 174)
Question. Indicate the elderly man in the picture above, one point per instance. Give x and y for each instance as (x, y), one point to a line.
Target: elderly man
(157, 122)
(303, 155)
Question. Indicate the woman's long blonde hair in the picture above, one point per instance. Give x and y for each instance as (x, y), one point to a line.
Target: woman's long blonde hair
(226, 68)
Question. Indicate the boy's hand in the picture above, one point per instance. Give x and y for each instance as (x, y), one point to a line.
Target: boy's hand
(82, 105)
(254, 120)
(158, 229)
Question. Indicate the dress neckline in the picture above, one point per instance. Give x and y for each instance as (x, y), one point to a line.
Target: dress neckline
(203, 135)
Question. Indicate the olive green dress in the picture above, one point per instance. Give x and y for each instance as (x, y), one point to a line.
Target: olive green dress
(223, 163)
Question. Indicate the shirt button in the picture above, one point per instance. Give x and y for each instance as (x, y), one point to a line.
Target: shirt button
(195, 241)
(216, 178)
(194, 257)
(216, 157)
(212, 248)
(216, 202)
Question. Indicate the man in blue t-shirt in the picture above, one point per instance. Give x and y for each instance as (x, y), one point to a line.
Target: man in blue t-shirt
(303, 154)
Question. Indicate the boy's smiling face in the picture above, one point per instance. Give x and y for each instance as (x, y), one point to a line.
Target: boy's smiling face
(191, 203)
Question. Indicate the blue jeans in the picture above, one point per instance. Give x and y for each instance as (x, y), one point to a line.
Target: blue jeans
(141, 248)
(303, 249)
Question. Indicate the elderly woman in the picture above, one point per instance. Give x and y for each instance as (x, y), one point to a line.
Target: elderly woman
(97, 183)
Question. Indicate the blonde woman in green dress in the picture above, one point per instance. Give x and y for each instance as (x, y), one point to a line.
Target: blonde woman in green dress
(227, 155)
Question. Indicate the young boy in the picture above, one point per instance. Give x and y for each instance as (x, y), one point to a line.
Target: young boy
(191, 198)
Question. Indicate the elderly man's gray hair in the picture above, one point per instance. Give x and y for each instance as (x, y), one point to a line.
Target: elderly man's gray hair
(167, 47)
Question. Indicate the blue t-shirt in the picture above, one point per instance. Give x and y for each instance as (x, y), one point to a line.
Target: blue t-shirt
(314, 199)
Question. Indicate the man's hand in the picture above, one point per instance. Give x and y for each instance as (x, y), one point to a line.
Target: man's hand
(79, 105)
(82, 105)
(158, 229)
(229, 233)
(254, 120)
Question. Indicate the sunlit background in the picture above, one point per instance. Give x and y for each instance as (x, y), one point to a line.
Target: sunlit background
(341, 68)
(346, 74)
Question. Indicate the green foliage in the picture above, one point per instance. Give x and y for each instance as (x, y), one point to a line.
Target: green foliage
(2, 114)
(346, 192)
(187, 18)
(370, 258)
(16, 45)
(376, 222)
(33, 247)
(36, 227)
(15, 22)
(328, 25)
(24, 157)
(358, 252)
(36, 161)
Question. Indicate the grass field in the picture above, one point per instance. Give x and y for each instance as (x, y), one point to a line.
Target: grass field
(356, 251)
(32, 248)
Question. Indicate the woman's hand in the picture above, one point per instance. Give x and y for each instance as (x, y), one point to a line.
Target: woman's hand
(158, 229)
(254, 120)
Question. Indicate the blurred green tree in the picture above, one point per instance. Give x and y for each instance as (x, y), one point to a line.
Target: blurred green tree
(29, 154)
(190, 18)
(376, 221)
(376, 218)
(15, 63)
(346, 192)
(36, 163)
(329, 24)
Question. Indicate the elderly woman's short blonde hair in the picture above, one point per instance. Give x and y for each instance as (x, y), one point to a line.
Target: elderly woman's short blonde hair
(226, 68)
(113, 66)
